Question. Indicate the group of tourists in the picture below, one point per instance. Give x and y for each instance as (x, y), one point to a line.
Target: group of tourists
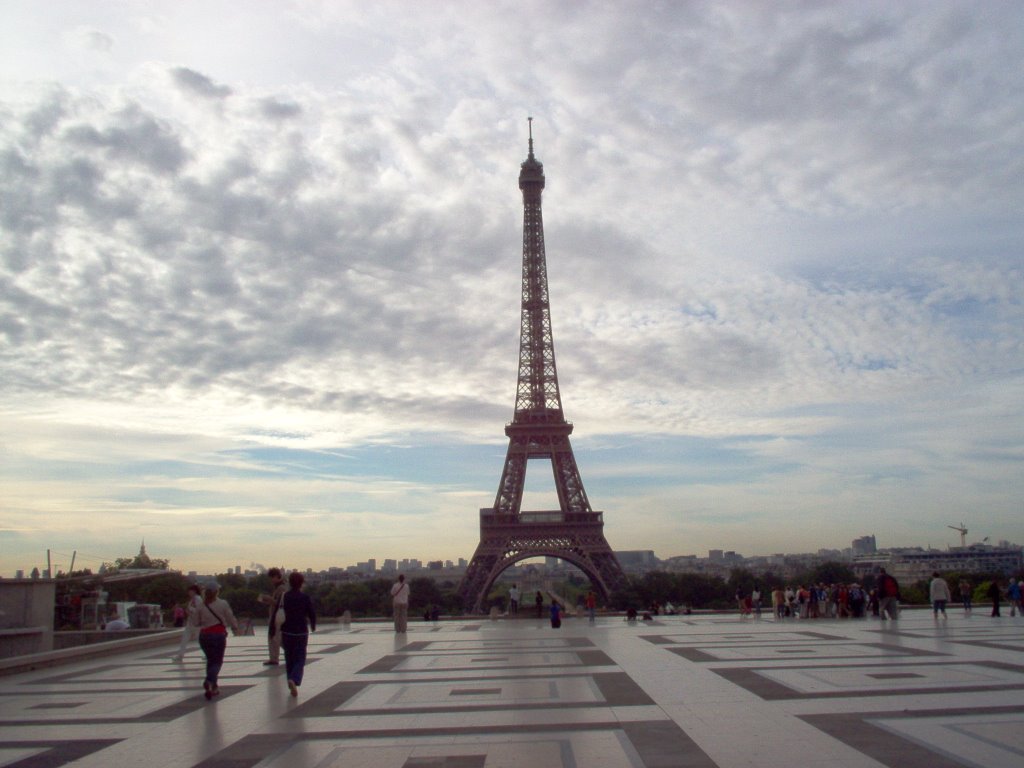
(208, 617)
(842, 601)
(822, 601)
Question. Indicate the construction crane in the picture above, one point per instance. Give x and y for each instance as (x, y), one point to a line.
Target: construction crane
(963, 533)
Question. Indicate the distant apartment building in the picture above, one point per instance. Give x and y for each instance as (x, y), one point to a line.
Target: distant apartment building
(637, 560)
(865, 545)
(917, 564)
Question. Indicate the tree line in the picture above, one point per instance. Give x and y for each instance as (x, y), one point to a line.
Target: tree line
(372, 597)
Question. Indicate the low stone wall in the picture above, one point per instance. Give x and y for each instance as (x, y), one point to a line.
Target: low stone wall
(76, 639)
(26, 616)
(113, 643)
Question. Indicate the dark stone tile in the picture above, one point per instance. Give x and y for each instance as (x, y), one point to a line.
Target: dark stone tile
(881, 745)
(450, 761)
(663, 744)
(620, 690)
(595, 659)
(57, 753)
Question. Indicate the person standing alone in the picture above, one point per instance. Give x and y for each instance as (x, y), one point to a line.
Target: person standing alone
(966, 592)
(994, 593)
(400, 603)
(938, 592)
(190, 629)
(274, 601)
(513, 600)
(1013, 594)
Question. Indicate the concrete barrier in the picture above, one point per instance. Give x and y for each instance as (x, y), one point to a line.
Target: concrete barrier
(111, 644)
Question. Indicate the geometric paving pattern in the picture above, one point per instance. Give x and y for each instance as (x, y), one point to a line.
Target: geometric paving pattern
(695, 691)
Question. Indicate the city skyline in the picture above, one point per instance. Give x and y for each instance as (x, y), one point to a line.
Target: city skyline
(866, 544)
(260, 273)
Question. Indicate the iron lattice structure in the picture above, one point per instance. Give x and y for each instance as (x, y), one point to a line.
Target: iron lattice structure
(574, 532)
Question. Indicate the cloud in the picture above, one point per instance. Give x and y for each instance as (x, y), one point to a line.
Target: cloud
(93, 39)
(272, 107)
(199, 84)
(790, 232)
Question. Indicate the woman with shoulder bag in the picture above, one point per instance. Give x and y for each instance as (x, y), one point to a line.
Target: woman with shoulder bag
(214, 618)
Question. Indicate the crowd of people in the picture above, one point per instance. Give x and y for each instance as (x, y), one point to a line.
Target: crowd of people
(853, 601)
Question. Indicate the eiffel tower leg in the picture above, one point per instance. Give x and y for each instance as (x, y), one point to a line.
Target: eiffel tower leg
(507, 539)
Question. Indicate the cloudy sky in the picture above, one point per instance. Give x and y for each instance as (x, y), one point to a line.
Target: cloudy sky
(260, 263)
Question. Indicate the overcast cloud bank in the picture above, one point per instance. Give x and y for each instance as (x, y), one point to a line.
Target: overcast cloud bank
(263, 286)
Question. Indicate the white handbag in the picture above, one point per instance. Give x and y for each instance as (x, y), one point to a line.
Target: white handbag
(279, 614)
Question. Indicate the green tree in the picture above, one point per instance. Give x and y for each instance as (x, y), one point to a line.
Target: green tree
(355, 597)
(741, 579)
(655, 586)
(833, 573)
(244, 601)
(700, 591)
(167, 590)
(231, 581)
(423, 592)
(261, 583)
(626, 597)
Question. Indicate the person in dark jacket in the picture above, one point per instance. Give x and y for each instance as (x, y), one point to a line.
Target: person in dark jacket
(888, 596)
(994, 594)
(299, 621)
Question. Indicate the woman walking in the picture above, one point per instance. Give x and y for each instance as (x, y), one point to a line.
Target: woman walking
(188, 632)
(214, 618)
(299, 621)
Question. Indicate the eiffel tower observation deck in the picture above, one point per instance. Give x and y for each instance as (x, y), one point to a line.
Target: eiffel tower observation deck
(538, 430)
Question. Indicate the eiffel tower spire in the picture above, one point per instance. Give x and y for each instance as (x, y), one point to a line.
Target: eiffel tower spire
(537, 395)
(538, 430)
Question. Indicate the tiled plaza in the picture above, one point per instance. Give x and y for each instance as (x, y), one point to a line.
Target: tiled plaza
(679, 691)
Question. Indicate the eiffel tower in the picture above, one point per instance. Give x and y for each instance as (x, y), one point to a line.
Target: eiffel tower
(573, 532)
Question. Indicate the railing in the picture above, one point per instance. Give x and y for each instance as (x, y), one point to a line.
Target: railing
(489, 517)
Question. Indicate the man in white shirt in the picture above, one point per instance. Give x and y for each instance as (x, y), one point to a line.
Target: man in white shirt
(513, 600)
(400, 603)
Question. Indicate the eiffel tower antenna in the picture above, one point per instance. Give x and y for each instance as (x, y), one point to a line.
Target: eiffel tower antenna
(574, 532)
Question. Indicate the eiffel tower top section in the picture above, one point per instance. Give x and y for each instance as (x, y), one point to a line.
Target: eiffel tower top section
(538, 401)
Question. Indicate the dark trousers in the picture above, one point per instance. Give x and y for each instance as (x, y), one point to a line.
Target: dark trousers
(294, 655)
(213, 645)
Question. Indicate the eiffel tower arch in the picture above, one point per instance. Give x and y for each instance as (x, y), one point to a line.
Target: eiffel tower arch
(574, 532)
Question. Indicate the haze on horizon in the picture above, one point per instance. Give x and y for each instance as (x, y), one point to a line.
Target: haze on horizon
(259, 273)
